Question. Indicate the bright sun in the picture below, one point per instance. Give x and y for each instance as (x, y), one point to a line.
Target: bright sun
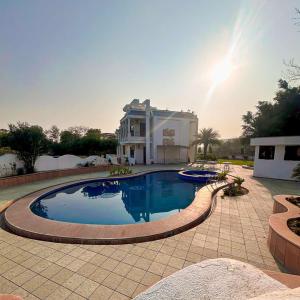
(222, 71)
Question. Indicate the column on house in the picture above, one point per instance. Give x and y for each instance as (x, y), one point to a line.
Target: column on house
(147, 108)
(128, 127)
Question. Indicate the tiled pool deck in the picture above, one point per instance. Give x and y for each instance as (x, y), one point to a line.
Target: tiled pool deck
(44, 270)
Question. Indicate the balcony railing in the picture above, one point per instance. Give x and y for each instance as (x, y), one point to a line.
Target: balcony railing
(133, 139)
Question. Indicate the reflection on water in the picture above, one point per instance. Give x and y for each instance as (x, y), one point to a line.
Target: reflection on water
(140, 199)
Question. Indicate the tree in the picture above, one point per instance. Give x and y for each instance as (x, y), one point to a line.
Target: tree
(3, 137)
(53, 134)
(29, 141)
(234, 147)
(67, 137)
(93, 133)
(278, 118)
(293, 69)
(78, 130)
(207, 136)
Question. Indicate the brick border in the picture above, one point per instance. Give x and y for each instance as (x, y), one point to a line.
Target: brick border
(283, 243)
(28, 178)
(21, 220)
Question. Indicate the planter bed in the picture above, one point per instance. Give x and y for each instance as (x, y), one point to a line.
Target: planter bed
(284, 244)
(28, 178)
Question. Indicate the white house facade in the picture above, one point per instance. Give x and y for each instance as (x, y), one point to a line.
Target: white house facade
(276, 157)
(149, 135)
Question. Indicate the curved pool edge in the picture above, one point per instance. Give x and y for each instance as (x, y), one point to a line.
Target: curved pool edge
(21, 220)
(201, 177)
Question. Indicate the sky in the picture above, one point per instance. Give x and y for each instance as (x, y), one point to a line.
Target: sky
(72, 62)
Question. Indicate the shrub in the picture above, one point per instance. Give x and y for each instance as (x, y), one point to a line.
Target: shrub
(222, 175)
(238, 181)
(117, 170)
(5, 150)
(235, 188)
(200, 156)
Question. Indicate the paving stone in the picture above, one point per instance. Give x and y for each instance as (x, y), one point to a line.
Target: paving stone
(34, 283)
(140, 288)
(62, 276)
(99, 275)
(118, 296)
(127, 287)
(46, 289)
(112, 280)
(86, 288)
(150, 278)
(6, 286)
(143, 263)
(157, 268)
(23, 277)
(122, 269)
(110, 264)
(176, 262)
(136, 274)
(102, 292)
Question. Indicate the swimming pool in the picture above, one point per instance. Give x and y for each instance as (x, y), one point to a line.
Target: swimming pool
(139, 199)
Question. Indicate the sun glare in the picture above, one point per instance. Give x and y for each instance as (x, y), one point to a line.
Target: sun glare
(221, 71)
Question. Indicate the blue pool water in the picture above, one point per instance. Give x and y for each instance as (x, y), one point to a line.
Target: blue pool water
(140, 199)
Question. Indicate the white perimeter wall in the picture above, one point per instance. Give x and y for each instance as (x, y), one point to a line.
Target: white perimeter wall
(47, 163)
(277, 168)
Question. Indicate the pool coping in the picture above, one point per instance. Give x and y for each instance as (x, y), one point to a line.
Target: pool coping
(21, 220)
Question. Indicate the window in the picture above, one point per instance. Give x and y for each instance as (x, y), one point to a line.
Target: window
(292, 153)
(266, 152)
(124, 150)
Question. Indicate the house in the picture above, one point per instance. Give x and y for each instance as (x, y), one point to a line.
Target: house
(108, 135)
(149, 135)
(276, 157)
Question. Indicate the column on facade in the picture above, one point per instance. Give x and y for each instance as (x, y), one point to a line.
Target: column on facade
(128, 127)
(148, 111)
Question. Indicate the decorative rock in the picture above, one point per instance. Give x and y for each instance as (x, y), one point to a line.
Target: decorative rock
(293, 294)
(220, 278)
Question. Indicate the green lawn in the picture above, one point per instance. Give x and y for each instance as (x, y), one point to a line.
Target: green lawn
(237, 162)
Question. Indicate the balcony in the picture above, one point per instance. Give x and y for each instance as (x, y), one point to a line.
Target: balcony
(133, 139)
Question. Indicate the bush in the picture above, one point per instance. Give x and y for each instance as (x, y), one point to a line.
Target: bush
(222, 176)
(235, 188)
(120, 171)
(200, 156)
(5, 150)
(238, 181)
(237, 162)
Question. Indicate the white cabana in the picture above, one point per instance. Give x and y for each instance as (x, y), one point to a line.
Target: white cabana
(276, 157)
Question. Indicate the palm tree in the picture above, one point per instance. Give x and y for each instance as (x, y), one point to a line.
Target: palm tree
(207, 136)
